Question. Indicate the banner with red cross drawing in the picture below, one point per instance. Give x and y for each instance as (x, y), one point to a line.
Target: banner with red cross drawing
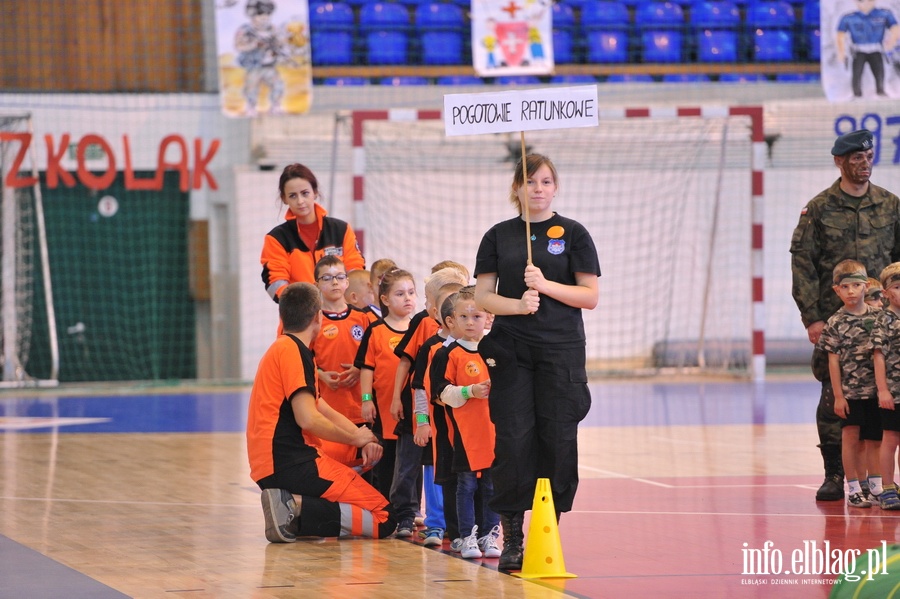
(512, 37)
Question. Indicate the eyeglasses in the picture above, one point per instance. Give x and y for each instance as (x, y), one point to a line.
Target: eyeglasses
(329, 278)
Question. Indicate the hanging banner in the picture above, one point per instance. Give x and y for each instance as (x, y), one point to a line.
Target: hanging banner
(264, 57)
(520, 110)
(512, 37)
(860, 53)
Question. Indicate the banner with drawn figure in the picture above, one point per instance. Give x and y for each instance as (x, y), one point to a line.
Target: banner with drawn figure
(264, 57)
(860, 53)
(512, 37)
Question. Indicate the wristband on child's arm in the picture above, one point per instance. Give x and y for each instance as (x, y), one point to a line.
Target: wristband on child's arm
(367, 397)
(464, 391)
(422, 419)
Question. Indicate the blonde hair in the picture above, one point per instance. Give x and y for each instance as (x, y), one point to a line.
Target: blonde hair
(379, 267)
(532, 163)
(442, 277)
(451, 264)
(847, 267)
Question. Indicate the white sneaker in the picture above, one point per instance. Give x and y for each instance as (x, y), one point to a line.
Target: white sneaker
(488, 543)
(470, 548)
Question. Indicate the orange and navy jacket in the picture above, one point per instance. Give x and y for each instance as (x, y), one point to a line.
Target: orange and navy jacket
(337, 343)
(473, 431)
(286, 259)
(274, 439)
(442, 449)
(376, 352)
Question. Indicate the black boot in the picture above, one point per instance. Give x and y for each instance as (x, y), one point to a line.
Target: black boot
(832, 488)
(513, 541)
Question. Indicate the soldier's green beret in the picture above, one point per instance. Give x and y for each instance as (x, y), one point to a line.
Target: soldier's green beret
(855, 141)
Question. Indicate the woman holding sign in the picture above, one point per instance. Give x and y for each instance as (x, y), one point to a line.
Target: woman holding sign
(535, 351)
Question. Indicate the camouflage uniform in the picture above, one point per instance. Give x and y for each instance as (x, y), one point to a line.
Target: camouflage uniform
(832, 229)
(850, 337)
(886, 337)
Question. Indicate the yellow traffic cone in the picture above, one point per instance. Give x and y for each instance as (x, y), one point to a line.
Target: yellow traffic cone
(543, 550)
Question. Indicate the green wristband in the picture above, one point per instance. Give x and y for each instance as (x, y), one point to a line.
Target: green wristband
(464, 391)
(367, 397)
(422, 419)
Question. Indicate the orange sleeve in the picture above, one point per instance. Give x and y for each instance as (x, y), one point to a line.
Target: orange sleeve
(276, 266)
(353, 258)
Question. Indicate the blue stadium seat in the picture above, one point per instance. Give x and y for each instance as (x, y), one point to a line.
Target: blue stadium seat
(563, 16)
(346, 81)
(385, 26)
(331, 39)
(517, 80)
(717, 26)
(797, 77)
(573, 79)
(606, 28)
(741, 77)
(563, 47)
(629, 78)
(685, 78)
(772, 24)
(441, 28)
(460, 80)
(660, 25)
(397, 81)
(812, 30)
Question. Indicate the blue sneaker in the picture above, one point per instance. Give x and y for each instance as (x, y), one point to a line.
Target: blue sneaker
(434, 537)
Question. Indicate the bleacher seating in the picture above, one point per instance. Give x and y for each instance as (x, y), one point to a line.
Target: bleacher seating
(772, 25)
(660, 26)
(442, 29)
(385, 26)
(331, 25)
(606, 30)
(629, 78)
(602, 32)
(717, 25)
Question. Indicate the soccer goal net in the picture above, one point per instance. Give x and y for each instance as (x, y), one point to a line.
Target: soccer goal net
(668, 202)
(26, 288)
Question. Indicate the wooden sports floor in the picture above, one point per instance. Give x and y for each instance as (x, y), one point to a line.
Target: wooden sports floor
(688, 489)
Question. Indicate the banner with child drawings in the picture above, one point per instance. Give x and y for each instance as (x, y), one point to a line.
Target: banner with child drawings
(512, 37)
(264, 57)
(860, 53)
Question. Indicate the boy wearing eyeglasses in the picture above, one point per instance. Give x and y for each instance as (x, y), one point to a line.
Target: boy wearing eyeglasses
(335, 348)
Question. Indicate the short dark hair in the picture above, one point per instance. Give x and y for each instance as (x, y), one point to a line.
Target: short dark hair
(326, 262)
(298, 305)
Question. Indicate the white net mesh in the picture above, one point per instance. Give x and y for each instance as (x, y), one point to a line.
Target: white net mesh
(667, 201)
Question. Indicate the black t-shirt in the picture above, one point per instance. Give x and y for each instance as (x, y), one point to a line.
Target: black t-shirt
(560, 247)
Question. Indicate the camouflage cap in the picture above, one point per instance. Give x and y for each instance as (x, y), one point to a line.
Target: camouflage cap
(855, 141)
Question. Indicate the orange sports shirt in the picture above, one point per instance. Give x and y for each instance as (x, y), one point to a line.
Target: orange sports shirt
(274, 439)
(337, 343)
(376, 352)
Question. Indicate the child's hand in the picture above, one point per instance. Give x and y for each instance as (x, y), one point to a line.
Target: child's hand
(349, 377)
(482, 389)
(885, 400)
(423, 433)
(330, 378)
(368, 411)
(397, 408)
(530, 302)
(841, 407)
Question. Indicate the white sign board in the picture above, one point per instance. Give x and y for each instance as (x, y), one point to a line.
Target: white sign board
(520, 110)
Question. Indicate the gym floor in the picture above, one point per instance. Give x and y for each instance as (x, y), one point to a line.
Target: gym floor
(688, 489)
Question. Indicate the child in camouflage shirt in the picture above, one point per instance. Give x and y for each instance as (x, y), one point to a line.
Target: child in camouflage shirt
(886, 350)
(847, 339)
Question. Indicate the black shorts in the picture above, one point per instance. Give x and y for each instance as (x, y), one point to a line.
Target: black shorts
(890, 419)
(864, 413)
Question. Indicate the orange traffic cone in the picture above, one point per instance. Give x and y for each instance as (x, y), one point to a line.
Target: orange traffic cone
(543, 550)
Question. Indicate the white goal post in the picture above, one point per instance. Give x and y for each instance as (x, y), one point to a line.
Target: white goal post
(25, 260)
(673, 197)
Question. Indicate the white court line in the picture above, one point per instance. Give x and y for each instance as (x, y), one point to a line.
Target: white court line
(119, 501)
(654, 483)
(876, 514)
